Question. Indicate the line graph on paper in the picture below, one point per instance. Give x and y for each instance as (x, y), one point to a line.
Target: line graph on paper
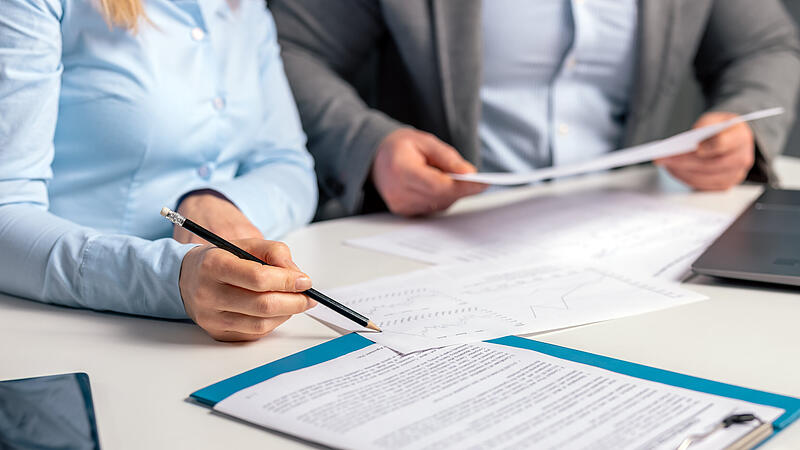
(536, 293)
(429, 313)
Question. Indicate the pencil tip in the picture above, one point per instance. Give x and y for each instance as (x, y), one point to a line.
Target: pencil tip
(372, 326)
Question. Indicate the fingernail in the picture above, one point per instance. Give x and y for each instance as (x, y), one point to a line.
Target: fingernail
(302, 284)
(310, 303)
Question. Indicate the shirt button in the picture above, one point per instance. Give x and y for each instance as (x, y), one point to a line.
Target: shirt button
(204, 171)
(571, 62)
(563, 129)
(198, 34)
(219, 103)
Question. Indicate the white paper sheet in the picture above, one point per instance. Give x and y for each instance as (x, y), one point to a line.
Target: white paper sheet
(482, 396)
(471, 302)
(681, 143)
(627, 231)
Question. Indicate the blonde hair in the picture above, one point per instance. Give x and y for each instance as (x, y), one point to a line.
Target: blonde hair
(122, 13)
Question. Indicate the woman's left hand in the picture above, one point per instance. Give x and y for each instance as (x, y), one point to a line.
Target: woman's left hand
(214, 212)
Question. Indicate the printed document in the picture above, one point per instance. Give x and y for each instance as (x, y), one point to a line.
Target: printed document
(475, 301)
(681, 143)
(483, 396)
(613, 229)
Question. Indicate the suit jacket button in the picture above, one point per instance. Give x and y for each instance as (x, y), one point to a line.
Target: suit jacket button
(335, 186)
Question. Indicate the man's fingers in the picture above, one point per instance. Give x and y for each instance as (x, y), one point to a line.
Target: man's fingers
(732, 161)
(416, 202)
(714, 146)
(671, 161)
(437, 191)
(444, 157)
(465, 188)
(411, 169)
(711, 148)
(253, 276)
(270, 304)
(727, 141)
(720, 162)
(426, 204)
(429, 181)
(433, 182)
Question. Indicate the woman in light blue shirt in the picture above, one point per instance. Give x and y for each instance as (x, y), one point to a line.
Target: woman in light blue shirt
(110, 110)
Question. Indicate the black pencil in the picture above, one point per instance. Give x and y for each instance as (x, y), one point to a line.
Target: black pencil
(181, 221)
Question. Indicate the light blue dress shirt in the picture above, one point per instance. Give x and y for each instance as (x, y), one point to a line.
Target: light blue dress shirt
(100, 128)
(557, 80)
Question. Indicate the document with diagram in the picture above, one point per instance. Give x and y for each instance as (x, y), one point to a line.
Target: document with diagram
(474, 301)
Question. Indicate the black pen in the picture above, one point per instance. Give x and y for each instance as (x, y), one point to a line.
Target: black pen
(181, 221)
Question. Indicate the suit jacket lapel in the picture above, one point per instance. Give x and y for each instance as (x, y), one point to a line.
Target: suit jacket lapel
(656, 27)
(457, 30)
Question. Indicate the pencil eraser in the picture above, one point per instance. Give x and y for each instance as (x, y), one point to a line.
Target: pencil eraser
(165, 211)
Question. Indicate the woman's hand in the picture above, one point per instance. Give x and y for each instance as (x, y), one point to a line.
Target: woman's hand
(213, 211)
(239, 300)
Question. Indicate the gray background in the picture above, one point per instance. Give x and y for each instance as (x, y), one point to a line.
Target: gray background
(690, 104)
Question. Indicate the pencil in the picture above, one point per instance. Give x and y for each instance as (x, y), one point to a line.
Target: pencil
(181, 221)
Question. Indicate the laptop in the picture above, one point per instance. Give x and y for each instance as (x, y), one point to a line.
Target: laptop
(763, 244)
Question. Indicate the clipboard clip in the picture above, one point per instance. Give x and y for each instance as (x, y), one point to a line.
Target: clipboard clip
(750, 440)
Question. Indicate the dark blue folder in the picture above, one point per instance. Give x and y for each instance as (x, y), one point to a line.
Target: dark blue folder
(351, 342)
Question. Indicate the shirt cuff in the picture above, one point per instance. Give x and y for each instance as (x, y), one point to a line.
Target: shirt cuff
(151, 281)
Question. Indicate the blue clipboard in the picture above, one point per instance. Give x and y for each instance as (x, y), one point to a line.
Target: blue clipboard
(341, 346)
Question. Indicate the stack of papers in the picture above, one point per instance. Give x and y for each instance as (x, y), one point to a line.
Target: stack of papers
(538, 265)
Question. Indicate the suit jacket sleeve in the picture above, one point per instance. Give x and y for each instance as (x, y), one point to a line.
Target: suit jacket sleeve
(324, 44)
(748, 59)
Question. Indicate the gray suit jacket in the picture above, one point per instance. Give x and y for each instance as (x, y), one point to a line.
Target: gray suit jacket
(427, 60)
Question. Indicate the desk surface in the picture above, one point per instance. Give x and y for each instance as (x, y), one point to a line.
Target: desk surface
(142, 369)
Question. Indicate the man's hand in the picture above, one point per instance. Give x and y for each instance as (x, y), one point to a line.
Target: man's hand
(234, 299)
(410, 170)
(214, 212)
(720, 162)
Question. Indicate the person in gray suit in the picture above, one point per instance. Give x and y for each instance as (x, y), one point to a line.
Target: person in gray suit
(509, 85)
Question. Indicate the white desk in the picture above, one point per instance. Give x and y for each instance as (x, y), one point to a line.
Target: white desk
(142, 369)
